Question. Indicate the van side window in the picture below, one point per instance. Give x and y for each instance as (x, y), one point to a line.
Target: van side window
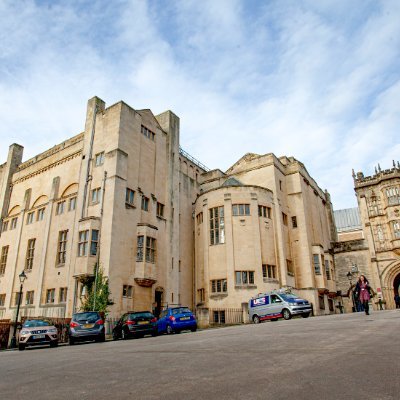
(275, 299)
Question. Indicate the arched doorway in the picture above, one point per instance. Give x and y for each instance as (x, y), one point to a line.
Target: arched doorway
(396, 284)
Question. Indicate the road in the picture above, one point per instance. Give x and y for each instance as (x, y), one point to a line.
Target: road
(348, 356)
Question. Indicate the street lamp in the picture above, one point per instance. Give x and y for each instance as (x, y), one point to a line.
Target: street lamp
(22, 278)
(350, 277)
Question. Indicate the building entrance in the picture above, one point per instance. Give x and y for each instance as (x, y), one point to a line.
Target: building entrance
(158, 299)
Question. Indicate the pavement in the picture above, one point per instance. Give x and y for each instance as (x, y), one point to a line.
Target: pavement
(344, 356)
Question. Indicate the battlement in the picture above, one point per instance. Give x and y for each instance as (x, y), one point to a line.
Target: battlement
(380, 175)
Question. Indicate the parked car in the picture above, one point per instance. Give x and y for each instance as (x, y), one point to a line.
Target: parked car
(86, 326)
(277, 304)
(176, 319)
(135, 324)
(37, 332)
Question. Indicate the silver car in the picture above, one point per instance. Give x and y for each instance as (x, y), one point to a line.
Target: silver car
(274, 305)
(37, 332)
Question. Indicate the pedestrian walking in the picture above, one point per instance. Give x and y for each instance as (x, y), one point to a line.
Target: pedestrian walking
(397, 300)
(363, 292)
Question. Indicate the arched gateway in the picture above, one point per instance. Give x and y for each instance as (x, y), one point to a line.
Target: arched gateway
(391, 283)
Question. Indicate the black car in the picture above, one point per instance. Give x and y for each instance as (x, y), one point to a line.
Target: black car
(86, 326)
(135, 324)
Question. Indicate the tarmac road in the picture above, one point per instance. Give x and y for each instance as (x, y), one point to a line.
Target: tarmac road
(347, 356)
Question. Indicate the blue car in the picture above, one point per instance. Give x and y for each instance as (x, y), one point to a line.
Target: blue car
(176, 319)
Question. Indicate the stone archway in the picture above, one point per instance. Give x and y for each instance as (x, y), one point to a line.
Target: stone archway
(396, 284)
(391, 282)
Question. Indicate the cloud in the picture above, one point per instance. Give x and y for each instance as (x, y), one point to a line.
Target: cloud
(315, 80)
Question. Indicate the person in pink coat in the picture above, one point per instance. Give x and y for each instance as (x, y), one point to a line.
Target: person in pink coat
(363, 292)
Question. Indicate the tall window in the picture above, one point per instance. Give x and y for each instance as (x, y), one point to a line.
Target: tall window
(4, 226)
(199, 218)
(269, 271)
(294, 222)
(30, 217)
(62, 247)
(284, 218)
(147, 132)
(30, 252)
(2, 299)
(145, 203)
(393, 195)
(3, 259)
(160, 210)
(50, 295)
(127, 291)
(289, 267)
(327, 270)
(150, 249)
(13, 224)
(130, 196)
(140, 244)
(201, 295)
(264, 211)
(94, 242)
(219, 286)
(396, 229)
(96, 194)
(217, 225)
(60, 207)
(244, 277)
(40, 214)
(240, 209)
(374, 206)
(62, 295)
(317, 265)
(99, 159)
(83, 243)
(72, 204)
(17, 298)
(29, 297)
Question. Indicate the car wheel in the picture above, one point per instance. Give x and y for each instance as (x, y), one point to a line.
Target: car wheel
(71, 341)
(154, 334)
(101, 338)
(21, 347)
(194, 329)
(256, 319)
(115, 336)
(54, 343)
(169, 330)
(306, 315)
(286, 314)
(124, 334)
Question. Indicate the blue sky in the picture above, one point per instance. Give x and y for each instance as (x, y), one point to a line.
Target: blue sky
(316, 80)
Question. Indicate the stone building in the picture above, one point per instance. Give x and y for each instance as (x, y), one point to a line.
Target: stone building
(262, 225)
(123, 194)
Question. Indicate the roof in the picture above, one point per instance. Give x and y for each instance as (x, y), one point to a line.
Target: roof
(347, 219)
(232, 182)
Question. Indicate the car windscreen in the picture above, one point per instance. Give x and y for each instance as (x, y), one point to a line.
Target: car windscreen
(36, 323)
(180, 310)
(288, 297)
(88, 316)
(141, 315)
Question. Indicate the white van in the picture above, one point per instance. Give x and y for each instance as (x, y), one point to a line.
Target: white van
(277, 304)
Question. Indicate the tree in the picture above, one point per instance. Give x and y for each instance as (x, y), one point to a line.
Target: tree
(98, 292)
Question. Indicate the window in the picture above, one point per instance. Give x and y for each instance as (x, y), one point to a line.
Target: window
(289, 268)
(374, 207)
(30, 217)
(13, 224)
(280, 185)
(327, 270)
(380, 233)
(29, 297)
(139, 252)
(393, 195)
(284, 219)
(30, 252)
(145, 203)
(83, 243)
(62, 295)
(219, 286)
(94, 242)
(396, 229)
(147, 132)
(4, 226)
(127, 291)
(269, 271)
(62, 247)
(217, 225)
(219, 316)
(60, 207)
(2, 299)
(160, 210)
(72, 204)
(294, 222)
(321, 301)
(99, 159)
(240, 209)
(201, 295)
(95, 198)
(50, 295)
(317, 266)
(40, 214)
(244, 278)
(264, 211)
(199, 218)
(17, 298)
(3, 259)
(150, 249)
(130, 196)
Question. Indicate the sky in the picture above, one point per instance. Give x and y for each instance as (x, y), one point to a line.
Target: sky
(316, 80)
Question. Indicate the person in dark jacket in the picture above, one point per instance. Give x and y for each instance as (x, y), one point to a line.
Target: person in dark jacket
(397, 300)
(363, 292)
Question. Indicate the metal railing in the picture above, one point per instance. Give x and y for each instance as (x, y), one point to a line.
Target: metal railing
(193, 160)
(226, 316)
